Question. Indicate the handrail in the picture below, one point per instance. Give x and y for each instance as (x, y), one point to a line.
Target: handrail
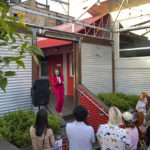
(93, 103)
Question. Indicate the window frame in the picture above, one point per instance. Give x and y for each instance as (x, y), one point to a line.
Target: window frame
(71, 69)
(41, 69)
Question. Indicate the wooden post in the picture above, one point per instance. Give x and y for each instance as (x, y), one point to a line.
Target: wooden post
(34, 65)
(77, 69)
(113, 72)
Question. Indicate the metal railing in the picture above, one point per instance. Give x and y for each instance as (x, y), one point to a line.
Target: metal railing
(93, 103)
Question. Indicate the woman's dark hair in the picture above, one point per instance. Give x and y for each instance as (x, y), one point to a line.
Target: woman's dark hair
(80, 113)
(57, 70)
(129, 124)
(41, 123)
(148, 103)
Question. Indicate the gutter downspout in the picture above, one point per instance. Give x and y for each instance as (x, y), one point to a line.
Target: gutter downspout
(113, 65)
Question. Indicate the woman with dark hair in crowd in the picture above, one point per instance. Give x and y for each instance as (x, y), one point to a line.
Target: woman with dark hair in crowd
(80, 135)
(131, 128)
(147, 123)
(58, 88)
(42, 137)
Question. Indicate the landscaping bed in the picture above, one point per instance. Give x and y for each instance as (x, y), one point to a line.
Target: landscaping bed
(124, 102)
(15, 126)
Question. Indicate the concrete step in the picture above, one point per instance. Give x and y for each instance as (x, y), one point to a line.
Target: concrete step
(4, 145)
(69, 118)
(27, 148)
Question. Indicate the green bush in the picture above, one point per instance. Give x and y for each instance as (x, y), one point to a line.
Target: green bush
(123, 101)
(14, 127)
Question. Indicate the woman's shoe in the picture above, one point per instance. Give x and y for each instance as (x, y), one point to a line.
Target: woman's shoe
(60, 114)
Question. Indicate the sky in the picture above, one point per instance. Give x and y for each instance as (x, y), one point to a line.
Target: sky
(75, 7)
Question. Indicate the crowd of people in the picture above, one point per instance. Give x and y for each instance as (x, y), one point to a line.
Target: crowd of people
(110, 136)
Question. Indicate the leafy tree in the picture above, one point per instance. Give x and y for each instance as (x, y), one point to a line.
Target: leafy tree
(8, 35)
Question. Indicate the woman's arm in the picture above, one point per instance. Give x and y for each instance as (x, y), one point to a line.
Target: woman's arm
(55, 81)
(98, 137)
(52, 139)
(147, 117)
(137, 107)
(62, 79)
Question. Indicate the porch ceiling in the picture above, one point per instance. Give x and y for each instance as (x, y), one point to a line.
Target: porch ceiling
(107, 6)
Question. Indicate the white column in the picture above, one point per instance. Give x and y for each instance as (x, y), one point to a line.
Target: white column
(65, 71)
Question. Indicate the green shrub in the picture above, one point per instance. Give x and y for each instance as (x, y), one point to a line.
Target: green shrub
(14, 127)
(123, 101)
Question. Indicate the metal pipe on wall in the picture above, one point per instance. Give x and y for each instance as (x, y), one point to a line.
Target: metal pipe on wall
(133, 28)
(58, 18)
(118, 13)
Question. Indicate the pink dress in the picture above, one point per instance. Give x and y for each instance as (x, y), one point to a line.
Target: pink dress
(58, 88)
(134, 134)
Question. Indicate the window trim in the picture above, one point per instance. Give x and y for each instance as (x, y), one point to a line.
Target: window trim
(40, 72)
(70, 65)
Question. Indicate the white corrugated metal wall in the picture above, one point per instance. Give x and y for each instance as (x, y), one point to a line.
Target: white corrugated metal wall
(96, 67)
(133, 75)
(18, 89)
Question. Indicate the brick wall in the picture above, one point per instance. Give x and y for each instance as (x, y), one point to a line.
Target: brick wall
(64, 145)
(38, 19)
(96, 117)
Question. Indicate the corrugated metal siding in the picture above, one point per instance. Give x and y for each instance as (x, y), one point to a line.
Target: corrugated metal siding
(96, 70)
(18, 89)
(133, 75)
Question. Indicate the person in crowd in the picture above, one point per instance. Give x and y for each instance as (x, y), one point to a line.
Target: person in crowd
(131, 128)
(110, 136)
(58, 88)
(141, 109)
(42, 137)
(80, 135)
(147, 123)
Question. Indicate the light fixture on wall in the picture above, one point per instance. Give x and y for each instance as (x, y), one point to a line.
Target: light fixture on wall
(98, 54)
(50, 19)
(56, 50)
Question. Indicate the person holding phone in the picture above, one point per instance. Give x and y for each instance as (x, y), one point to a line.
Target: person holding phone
(58, 88)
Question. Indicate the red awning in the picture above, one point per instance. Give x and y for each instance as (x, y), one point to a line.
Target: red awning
(78, 28)
(44, 42)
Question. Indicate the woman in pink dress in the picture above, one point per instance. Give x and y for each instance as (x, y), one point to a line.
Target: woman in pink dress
(58, 88)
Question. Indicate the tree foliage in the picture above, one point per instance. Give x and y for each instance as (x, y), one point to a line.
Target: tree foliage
(8, 35)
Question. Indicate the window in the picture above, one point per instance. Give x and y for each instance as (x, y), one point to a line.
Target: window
(135, 53)
(71, 65)
(59, 22)
(133, 44)
(44, 66)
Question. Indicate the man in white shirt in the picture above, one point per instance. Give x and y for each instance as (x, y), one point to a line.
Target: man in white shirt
(80, 135)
